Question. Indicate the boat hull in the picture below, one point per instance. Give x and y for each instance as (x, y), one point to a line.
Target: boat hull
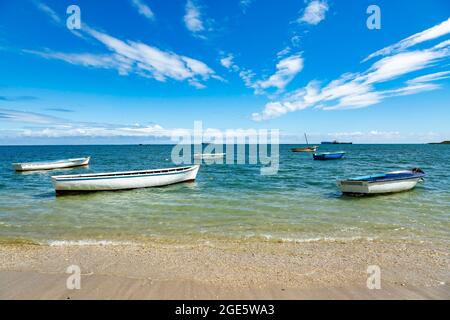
(124, 180)
(209, 156)
(364, 187)
(69, 163)
(306, 149)
(328, 156)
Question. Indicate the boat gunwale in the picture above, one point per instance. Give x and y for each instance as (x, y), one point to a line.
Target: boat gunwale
(209, 155)
(350, 181)
(49, 162)
(107, 175)
(329, 153)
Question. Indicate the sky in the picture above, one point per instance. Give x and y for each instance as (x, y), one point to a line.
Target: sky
(136, 71)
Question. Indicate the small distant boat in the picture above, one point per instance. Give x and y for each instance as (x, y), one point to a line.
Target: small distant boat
(328, 155)
(50, 165)
(123, 180)
(305, 149)
(209, 156)
(335, 142)
(395, 181)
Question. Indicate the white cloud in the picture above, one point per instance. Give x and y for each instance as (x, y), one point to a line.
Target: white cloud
(105, 61)
(41, 126)
(432, 33)
(143, 9)
(136, 57)
(411, 88)
(402, 63)
(314, 12)
(247, 76)
(51, 127)
(360, 134)
(357, 90)
(442, 45)
(227, 61)
(245, 4)
(287, 69)
(27, 117)
(284, 52)
(431, 77)
(49, 11)
(192, 17)
(368, 135)
(94, 131)
(295, 40)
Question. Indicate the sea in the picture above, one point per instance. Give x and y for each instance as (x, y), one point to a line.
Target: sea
(300, 203)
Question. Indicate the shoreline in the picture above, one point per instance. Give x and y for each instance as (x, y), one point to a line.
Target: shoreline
(227, 270)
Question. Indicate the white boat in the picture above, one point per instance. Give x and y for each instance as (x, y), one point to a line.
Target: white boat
(395, 181)
(123, 180)
(209, 156)
(49, 165)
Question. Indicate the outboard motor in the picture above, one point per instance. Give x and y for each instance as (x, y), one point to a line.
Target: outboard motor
(417, 170)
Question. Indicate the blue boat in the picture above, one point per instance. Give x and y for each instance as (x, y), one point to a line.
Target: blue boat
(328, 155)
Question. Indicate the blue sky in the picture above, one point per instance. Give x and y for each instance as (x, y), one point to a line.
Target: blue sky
(139, 69)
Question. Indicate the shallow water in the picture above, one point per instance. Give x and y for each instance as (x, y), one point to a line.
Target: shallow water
(300, 203)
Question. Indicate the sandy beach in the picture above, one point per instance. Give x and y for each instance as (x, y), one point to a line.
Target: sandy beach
(227, 270)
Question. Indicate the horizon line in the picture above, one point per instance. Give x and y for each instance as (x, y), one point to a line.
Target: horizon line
(169, 144)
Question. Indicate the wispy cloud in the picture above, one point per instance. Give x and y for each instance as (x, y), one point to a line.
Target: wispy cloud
(17, 98)
(59, 109)
(366, 136)
(284, 52)
(105, 61)
(247, 76)
(136, 57)
(287, 69)
(227, 60)
(432, 33)
(357, 90)
(47, 10)
(245, 4)
(431, 77)
(94, 131)
(60, 22)
(143, 9)
(192, 17)
(314, 12)
(27, 117)
(380, 136)
(45, 126)
(402, 63)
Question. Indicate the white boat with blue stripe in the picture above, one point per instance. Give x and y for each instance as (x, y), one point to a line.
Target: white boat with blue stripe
(123, 180)
(395, 181)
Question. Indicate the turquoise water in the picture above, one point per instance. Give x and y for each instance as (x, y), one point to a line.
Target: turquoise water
(300, 203)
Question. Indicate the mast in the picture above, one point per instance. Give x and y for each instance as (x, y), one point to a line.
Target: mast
(306, 138)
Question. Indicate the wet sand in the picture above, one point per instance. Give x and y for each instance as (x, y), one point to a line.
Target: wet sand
(227, 270)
